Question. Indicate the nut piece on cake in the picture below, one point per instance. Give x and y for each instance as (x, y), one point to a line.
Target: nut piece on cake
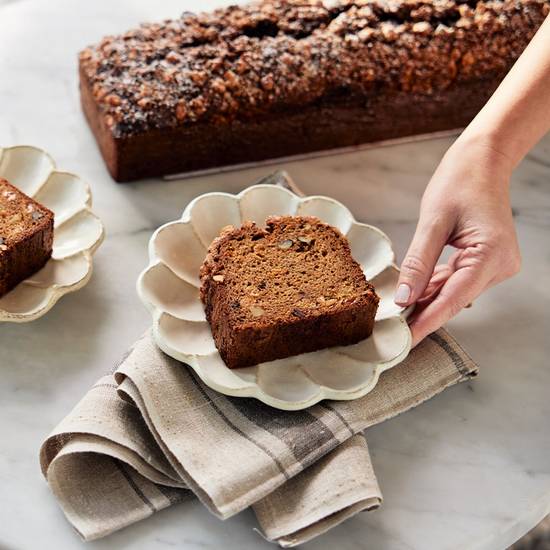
(289, 288)
(26, 236)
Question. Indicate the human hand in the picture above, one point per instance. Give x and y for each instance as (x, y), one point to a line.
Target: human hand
(465, 205)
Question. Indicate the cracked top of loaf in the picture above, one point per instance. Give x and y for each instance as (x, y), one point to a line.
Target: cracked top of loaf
(241, 61)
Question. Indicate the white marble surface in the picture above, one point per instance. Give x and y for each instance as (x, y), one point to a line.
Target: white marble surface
(469, 469)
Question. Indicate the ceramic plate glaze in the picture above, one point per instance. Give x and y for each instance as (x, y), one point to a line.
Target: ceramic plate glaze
(77, 232)
(170, 289)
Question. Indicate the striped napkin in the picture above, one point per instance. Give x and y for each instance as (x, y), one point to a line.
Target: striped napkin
(152, 434)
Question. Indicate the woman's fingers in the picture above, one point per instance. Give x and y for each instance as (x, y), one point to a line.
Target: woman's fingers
(441, 273)
(418, 266)
(462, 288)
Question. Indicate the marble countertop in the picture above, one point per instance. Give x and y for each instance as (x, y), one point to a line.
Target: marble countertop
(469, 469)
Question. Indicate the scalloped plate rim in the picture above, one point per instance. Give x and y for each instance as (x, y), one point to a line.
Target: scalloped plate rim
(253, 389)
(58, 290)
(185, 216)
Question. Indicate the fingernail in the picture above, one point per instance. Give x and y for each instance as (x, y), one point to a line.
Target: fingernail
(402, 294)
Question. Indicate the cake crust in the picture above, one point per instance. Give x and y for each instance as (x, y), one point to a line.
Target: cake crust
(281, 77)
(26, 236)
(289, 288)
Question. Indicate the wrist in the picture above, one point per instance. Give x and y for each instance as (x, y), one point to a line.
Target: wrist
(486, 151)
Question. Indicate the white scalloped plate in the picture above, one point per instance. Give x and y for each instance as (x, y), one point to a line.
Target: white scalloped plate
(77, 232)
(169, 287)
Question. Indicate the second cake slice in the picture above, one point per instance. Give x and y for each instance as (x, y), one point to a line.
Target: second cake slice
(289, 288)
(26, 236)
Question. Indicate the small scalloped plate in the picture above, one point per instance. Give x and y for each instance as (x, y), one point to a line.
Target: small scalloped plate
(169, 287)
(77, 232)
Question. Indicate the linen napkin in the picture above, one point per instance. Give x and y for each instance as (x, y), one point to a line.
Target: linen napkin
(152, 434)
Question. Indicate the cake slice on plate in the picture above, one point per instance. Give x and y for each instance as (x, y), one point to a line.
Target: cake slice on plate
(289, 288)
(26, 236)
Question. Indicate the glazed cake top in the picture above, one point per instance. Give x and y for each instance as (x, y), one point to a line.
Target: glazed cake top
(237, 62)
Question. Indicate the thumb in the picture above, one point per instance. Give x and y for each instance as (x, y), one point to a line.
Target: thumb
(416, 270)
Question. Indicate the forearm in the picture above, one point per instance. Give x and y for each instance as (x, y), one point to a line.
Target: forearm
(518, 113)
(466, 204)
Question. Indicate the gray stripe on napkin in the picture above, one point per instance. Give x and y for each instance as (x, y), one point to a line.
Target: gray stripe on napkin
(238, 431)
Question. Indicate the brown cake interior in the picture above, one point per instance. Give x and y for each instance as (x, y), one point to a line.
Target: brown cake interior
(285, 289)
(26, 236)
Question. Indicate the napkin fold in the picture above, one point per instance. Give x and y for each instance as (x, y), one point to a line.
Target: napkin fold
(152, 434)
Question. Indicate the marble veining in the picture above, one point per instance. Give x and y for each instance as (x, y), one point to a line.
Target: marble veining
(469, 469)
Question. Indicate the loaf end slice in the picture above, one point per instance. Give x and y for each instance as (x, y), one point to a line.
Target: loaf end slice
(289, 288)
(26, 236)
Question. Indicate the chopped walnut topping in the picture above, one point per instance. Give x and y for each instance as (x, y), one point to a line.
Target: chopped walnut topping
(198, 77)
(231, 79)
(113, 100)
(145, 104)
(181, 110)
(198, 105)
(242, 61)
(173, 57)
(267, 82)
(422, 27)
(217, 85)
